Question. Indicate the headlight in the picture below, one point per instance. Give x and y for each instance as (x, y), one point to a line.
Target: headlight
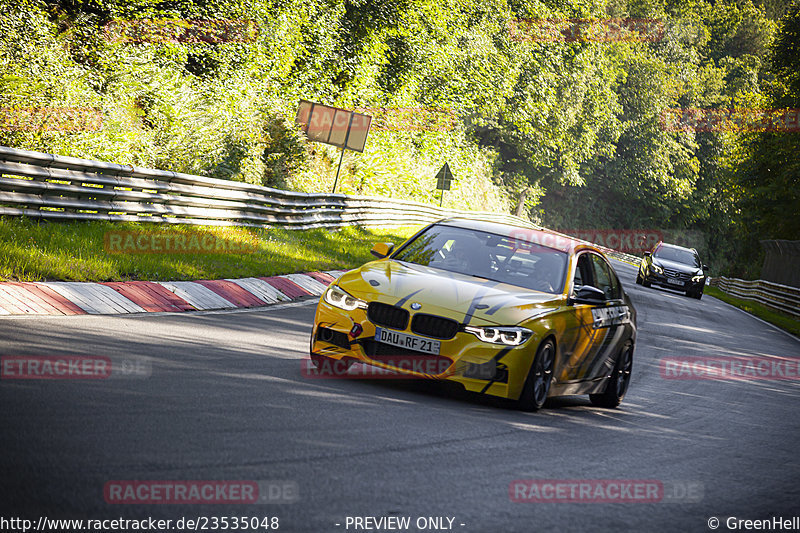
(656, 268)
(510, 336)
(339, 298)
(698, 278)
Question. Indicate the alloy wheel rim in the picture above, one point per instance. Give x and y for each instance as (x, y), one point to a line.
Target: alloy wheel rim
(544, 368)
(624, 373)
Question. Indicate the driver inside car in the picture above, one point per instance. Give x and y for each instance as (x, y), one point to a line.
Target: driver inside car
(546, 274)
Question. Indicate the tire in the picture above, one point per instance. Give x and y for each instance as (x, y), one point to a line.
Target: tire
(618, 384)
(330, 367)
(537, 384)
(698, 294)
(638, 278)
(645, 283)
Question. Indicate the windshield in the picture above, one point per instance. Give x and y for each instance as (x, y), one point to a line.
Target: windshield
(677, 255)
(489, 256)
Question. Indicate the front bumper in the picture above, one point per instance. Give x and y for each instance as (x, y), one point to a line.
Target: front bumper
(683, 284)
(478, 366)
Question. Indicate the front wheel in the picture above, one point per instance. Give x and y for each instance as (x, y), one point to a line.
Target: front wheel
(618, 383)
(638, 278)
(537, 384)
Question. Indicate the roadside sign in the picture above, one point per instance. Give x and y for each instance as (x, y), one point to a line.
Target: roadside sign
(443, 178)
(341, 128)
(332, 125)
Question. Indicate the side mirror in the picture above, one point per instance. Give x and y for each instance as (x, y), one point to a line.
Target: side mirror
(382, 249)
(647, 254)
(587, 294)
(705, 267)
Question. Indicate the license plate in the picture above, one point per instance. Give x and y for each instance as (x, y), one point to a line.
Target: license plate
(409, 342)
(674, 281)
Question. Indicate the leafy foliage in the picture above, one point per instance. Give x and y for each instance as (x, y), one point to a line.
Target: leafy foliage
(567, 131)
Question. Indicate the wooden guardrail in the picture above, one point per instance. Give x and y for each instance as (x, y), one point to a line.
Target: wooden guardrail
(774, 295)
(44, 185)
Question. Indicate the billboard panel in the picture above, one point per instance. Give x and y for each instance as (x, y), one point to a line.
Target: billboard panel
(331, 125)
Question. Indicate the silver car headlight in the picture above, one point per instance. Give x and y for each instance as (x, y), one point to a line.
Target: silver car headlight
(338, 297)
(508, 335)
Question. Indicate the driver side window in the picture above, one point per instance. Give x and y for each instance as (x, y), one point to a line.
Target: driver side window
(583, 271)
(606, 281)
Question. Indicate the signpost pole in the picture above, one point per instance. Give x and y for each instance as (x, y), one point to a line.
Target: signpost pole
(344, 147)
(441, 197)
(338, 169)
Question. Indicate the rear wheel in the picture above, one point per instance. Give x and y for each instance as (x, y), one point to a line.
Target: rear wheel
(618, 384)
(537, 385)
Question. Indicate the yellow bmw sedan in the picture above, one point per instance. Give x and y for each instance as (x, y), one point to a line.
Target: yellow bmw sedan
(502, 310)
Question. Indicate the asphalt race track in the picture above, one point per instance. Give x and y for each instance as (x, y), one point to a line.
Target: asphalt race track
(223, 398)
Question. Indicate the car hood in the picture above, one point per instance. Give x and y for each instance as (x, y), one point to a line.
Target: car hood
(680, 267)
(468, 299)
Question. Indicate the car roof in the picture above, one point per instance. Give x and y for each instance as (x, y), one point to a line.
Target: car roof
(531, 234)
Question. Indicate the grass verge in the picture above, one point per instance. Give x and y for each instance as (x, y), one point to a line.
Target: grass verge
(32, 250)
(782, 320)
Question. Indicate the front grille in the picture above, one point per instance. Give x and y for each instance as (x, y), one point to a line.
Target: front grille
(387, 316)
(677, 274)
(434, 326)
(404, 358)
